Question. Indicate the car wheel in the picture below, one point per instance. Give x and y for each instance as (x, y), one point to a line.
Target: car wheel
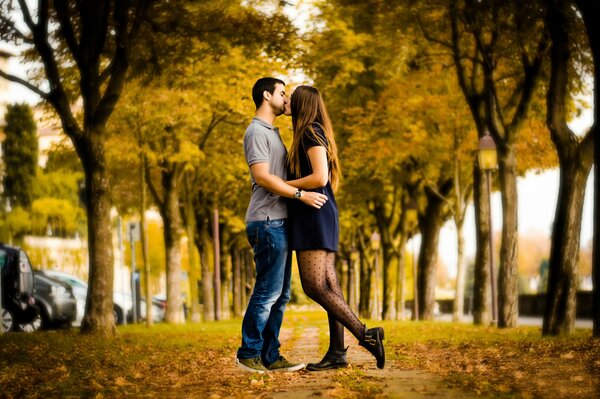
(34, 325)
(7, 321)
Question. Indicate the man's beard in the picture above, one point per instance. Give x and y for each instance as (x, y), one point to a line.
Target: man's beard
(279, 111)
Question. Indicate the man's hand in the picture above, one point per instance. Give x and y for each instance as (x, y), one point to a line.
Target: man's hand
(316, 200)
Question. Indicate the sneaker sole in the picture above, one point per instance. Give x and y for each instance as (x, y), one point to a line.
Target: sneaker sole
(246, 368)
(292, 368)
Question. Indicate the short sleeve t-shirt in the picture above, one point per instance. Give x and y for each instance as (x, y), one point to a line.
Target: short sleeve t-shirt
(263, 144)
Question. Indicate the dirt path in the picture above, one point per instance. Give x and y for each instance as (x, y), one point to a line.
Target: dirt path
(361, 379)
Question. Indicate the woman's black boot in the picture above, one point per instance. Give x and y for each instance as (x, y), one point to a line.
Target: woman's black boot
(331, 360)
(373, 342)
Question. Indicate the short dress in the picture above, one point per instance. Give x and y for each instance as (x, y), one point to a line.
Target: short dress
(311, 228)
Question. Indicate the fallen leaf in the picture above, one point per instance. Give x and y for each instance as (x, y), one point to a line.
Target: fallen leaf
(120, 381)
(503, 388)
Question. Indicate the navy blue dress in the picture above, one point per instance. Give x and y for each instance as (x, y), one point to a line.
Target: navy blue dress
(312, 228)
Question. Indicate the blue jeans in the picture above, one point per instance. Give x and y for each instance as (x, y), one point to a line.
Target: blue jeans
(264, 315)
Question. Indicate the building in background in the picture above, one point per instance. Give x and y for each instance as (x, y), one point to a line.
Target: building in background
(4, 100)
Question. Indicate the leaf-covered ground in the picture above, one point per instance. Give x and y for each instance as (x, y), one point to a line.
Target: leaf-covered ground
(443, 359)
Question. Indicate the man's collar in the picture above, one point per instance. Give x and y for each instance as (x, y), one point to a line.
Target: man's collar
(263, 123)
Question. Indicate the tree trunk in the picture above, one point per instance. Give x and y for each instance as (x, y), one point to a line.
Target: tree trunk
(400, 277)
(144, 239)
(559, 316)
(207, 287)
(508, 289)
(203, 245)
(389, 284)
(217, 264)
(481, 288)
(192, 260)
(226, 287)
(98, 316)
(249, 279)
(365, 284)
(237, 283)
(430, 223)
(375, 299)
(351, 294)
(461, 268)
(459, 220)
(172, 233)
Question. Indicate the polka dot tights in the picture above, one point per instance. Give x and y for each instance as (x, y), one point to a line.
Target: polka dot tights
(320, 283)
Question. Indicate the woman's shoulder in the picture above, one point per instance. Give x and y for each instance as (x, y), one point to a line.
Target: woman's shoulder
(319, 132)
(315, 136)
(316, 126)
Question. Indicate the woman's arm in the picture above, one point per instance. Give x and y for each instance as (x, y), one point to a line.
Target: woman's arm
(319, 177)
(277, 186)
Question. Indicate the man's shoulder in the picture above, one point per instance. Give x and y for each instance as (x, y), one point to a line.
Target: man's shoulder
(257, 130)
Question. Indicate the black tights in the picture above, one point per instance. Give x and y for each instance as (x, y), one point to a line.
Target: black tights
(320, 283)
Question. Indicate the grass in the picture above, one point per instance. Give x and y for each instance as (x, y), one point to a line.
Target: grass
(197, 360)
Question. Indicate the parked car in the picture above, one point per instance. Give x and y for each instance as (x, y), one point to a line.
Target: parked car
(55, 300)
(123, 304)
(17, 302)
(159, 306)
(79, 288)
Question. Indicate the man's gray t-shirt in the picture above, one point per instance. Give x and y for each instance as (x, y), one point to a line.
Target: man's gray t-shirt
(262, 143)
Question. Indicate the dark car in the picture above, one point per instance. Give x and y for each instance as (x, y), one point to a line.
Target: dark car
(55, 301)
(18, 286)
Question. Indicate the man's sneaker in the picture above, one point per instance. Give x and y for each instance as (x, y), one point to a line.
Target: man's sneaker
(253, 364)
(282, 364)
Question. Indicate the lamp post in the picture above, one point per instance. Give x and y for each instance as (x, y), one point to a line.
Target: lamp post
(375, 245)
(488, 160)
(411, 220)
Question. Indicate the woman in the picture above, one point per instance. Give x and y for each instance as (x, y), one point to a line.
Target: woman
(314, 166)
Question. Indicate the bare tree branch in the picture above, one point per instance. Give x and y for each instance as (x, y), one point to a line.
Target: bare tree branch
(66, 28)
(10, 24)
(531, 74)
(153, 190)
(432, 38)
(27, 15)
(22, 82)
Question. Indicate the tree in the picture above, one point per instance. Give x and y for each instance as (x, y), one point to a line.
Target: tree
(20, 155)
(589, 9)
(497, 52)
(576, 157)
(83, 49)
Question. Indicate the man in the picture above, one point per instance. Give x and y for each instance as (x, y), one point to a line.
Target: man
(266, 229)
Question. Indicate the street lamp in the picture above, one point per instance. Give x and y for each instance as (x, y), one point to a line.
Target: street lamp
(375, 245)
(488, 159)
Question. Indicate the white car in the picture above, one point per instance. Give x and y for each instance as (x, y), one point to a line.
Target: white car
(123, 305)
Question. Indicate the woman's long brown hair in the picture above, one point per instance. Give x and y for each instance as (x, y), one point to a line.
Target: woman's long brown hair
(307, 108)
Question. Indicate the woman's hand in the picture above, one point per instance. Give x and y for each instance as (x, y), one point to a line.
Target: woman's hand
(316, 200)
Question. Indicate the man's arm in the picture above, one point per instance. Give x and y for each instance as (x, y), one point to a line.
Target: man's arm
(319, 177)
(276, 185)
